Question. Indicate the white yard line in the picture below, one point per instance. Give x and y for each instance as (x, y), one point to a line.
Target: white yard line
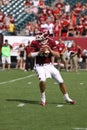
(13, 80)
(21, 105)
(79, 128)
(59, 105)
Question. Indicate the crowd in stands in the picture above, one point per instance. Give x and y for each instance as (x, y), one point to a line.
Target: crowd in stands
(60, 19)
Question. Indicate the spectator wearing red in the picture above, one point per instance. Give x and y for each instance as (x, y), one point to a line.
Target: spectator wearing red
(41, 17)
(65, 20)
(80, 27)
(56, 12)
(27, 3)
(73, 19)
(77, 8)
(29, 60)
(73, 57)
(2, 17)
(59, 5)
(57, 28)
(61, 49)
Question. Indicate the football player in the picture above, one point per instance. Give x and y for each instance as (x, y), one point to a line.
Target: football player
(44, 49)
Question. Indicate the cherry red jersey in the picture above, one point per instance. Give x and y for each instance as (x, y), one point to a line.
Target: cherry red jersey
(56, 11)
(49, 11)
(28, 49)
(57, 29)
(74, 49)
(80, 28)
(42, 17)
(61, 47)
(43, 59)
(65, 22)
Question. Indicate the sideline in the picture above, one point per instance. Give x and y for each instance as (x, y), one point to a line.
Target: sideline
(11, 81)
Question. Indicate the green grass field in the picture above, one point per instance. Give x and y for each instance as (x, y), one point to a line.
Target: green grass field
(20, 102)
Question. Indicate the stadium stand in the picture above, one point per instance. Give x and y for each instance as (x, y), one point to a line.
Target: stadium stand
(16, 9)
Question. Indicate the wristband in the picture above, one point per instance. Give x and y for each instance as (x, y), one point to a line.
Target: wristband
(34, 54)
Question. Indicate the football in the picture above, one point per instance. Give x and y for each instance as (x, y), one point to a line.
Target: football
(46, 51)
